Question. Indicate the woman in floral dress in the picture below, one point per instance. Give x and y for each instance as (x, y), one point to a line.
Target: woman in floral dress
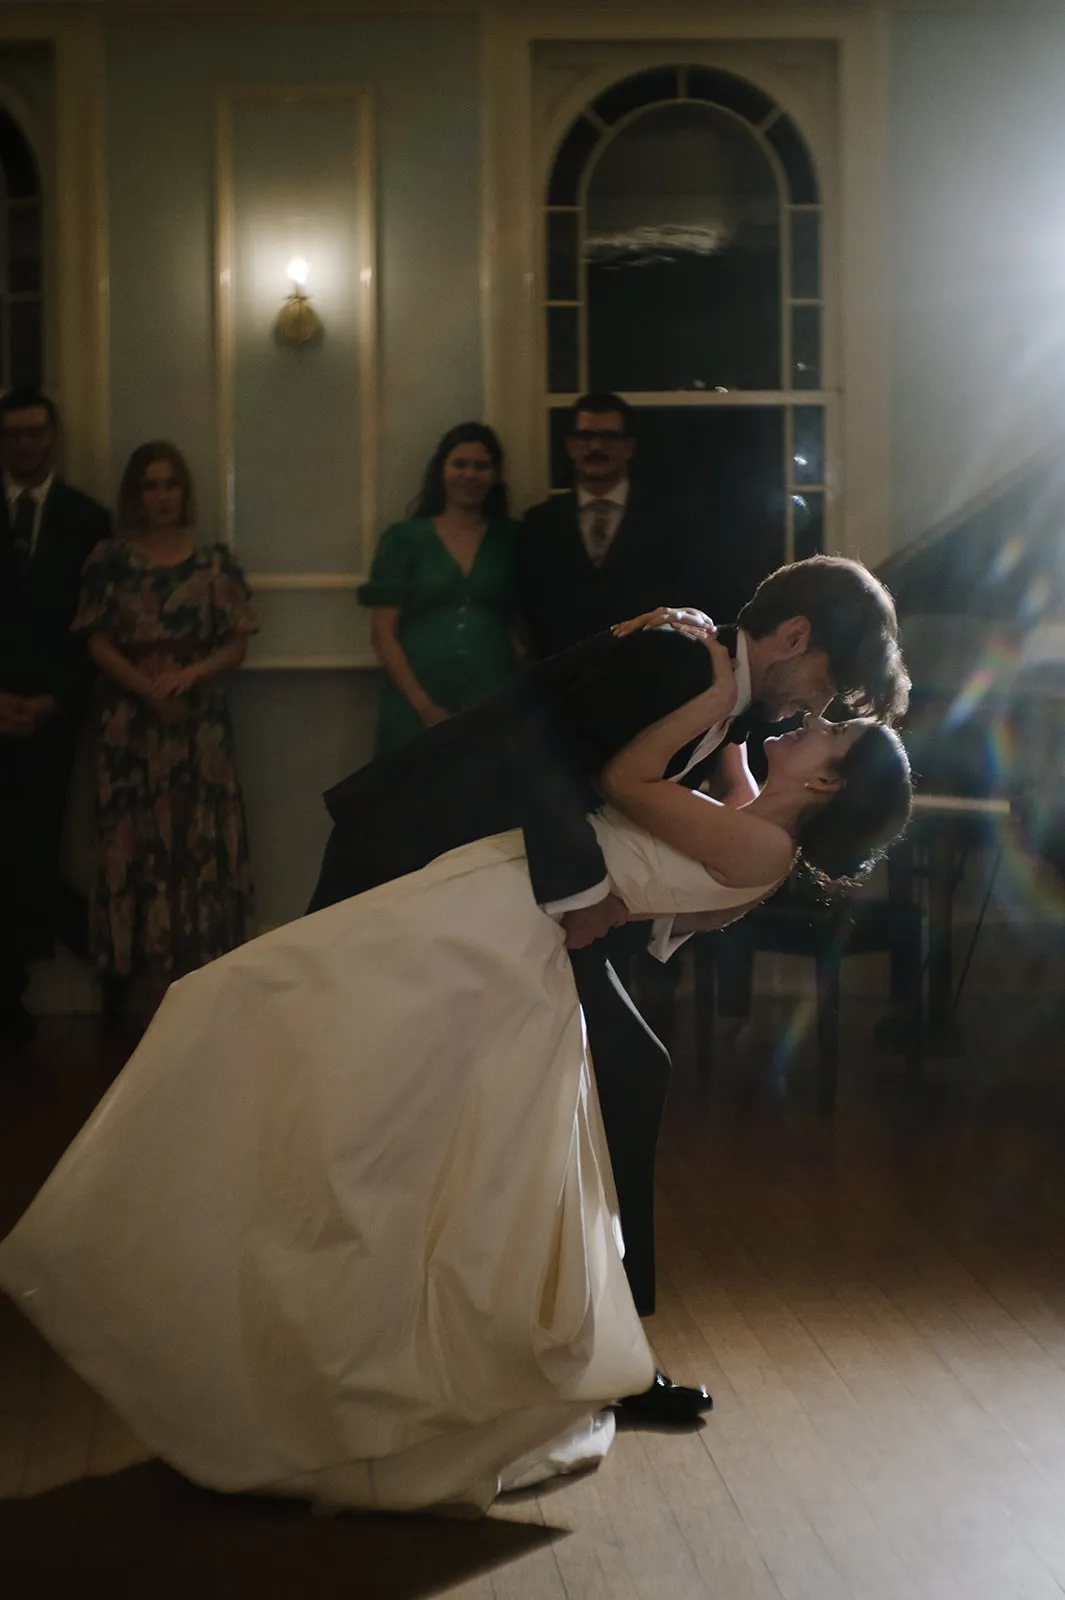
(166, 617)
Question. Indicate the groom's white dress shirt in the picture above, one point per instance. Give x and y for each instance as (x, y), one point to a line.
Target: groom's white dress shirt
(663, 942)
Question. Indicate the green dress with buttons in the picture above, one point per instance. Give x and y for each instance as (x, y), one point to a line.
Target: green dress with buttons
(455, 627)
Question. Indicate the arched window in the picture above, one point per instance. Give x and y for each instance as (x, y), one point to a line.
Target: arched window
(683, 231)
(21, 267)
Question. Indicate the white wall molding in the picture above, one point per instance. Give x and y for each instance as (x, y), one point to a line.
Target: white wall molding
(229, 100)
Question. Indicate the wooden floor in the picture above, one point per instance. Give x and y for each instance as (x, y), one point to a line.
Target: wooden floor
(877, 1302)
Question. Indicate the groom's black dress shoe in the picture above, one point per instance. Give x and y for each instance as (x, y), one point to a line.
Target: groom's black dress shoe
(666, 1402)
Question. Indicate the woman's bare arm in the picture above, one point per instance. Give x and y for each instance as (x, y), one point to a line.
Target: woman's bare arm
(384, 634)
(739, 787)
(684, 923)
(179, 680)
(649, 753)
(113, 664)
(736, 848)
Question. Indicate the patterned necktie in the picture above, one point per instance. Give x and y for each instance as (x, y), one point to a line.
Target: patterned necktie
(597, 530)
(22, 529)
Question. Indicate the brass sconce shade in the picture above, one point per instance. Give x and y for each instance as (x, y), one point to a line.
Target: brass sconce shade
(297, 321)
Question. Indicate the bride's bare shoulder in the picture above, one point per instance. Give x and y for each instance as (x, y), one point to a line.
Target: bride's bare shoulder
(745, 850)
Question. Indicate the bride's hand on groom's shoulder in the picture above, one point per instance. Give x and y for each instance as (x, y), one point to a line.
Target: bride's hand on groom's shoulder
(685, 619)
(697, 625)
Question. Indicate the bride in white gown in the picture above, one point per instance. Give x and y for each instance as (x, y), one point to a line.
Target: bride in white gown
(344, 1227)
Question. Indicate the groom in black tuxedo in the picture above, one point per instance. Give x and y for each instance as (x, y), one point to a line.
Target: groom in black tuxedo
(530, 758)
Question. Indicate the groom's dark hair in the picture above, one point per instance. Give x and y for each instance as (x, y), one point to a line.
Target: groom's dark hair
(852, 619)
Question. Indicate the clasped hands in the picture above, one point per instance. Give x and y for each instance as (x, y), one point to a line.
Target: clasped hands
(21, 715)
(163, 690)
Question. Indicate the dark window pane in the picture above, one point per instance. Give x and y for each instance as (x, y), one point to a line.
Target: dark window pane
(717, 473)
(806, 347)
(563, 277)
(26, 353)
(561, 466)
(808, 433)
(808, 510)
(563, 350)
(643, 89)
(17, 160)
(806, 255)
(790, 146)
(24, 248)
(682, 243)
(570, 163)
(725, 89)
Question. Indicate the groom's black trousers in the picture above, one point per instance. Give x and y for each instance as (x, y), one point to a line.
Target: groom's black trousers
(632, 1075)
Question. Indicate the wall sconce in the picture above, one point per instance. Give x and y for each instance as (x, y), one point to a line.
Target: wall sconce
(297, 321)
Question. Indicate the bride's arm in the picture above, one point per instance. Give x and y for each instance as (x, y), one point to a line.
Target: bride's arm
(685, 923)
(738, 780)
(650, 752)
(688, 922)
(736, 848)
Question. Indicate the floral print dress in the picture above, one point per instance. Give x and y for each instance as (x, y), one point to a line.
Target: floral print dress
(173, 888)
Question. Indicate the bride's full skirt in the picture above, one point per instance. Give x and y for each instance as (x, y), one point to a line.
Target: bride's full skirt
(345, 1227)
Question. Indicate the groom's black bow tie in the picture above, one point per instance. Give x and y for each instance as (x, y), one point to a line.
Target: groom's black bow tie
(742, 726)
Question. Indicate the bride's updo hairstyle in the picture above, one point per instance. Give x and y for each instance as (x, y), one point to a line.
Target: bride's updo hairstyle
(842, 841)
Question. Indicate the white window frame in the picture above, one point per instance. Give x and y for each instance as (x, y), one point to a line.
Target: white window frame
(855, 342)
(823, 398)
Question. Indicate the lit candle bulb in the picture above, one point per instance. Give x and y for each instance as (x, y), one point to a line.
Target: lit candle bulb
(297, 321)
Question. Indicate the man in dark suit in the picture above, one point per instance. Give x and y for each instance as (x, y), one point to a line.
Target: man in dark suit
(609, 548)
(47, 530)
(530, 758)
(606, 549)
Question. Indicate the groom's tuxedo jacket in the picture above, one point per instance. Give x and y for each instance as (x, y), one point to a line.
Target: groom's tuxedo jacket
(527, 758)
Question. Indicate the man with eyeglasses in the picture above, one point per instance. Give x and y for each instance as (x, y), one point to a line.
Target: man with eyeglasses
(604, 550)
(47, 529)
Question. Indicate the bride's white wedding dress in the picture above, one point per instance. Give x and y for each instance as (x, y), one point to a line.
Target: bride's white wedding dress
(344, 1227)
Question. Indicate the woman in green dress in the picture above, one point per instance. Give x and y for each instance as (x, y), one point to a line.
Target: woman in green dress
(443, 590)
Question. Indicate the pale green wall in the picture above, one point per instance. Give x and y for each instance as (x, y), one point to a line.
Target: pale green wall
(978, 229)
(296, 731)
(161, 80)
(978, 284)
